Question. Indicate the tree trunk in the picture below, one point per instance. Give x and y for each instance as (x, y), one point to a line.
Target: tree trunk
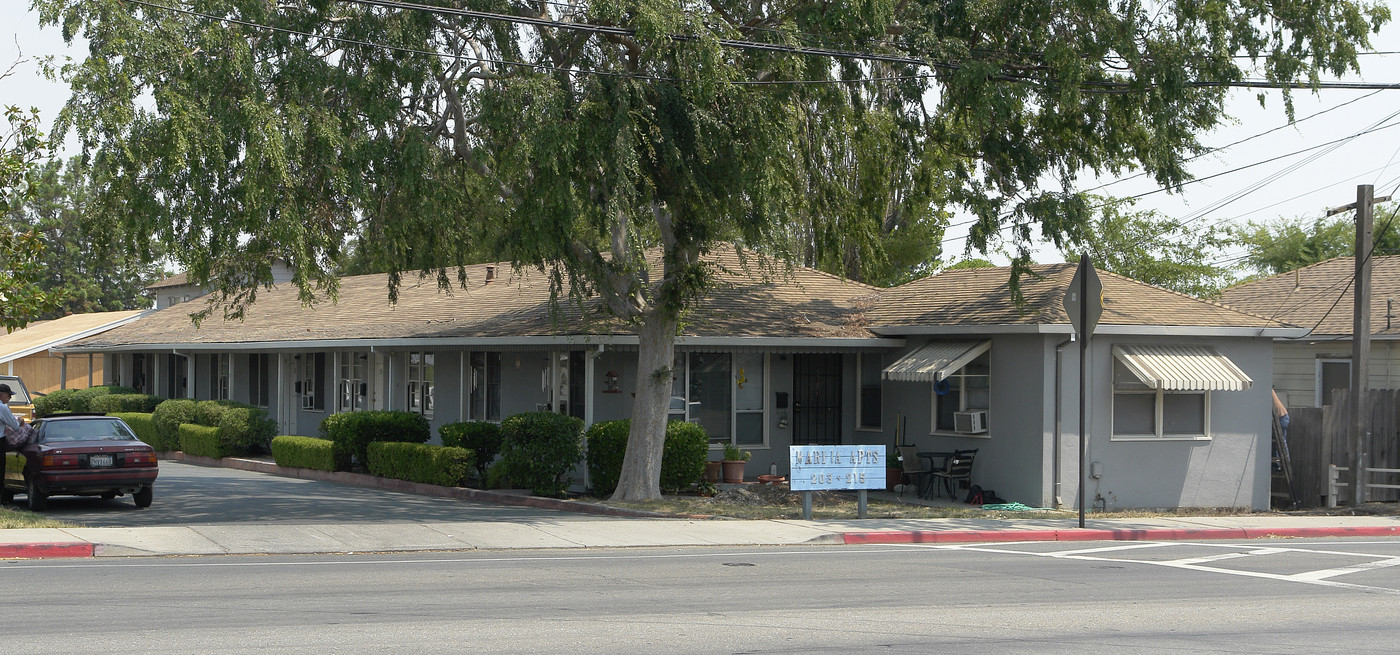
(641, 465)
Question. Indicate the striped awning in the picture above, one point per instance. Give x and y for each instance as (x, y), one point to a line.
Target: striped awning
(935, 361)
(1182, 368)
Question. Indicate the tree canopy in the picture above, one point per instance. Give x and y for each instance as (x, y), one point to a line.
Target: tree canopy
(1153, 249)
(1285, 244)
(21, 146)
(581, 137)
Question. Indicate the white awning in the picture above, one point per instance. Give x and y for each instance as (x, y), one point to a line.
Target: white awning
(1182, 368)
(935, 361)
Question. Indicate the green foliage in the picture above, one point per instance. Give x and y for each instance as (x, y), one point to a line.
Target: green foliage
(54, 402)
(733, 453)
(538, 449)
(497, 477)
(480, 437)
(170, 415)
(447, 466)
(21, 250)
(1287, 244)
(607, 444)
(246, 429)
(1151, 248)
(145, 429)
(683, 458)
(81, 400)
(353, 432)
(303, 452)
(124, 402)
(204, 441)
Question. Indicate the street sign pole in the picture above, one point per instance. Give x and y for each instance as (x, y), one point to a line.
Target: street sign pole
(1084, 305)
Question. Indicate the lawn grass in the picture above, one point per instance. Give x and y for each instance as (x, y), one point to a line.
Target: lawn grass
(14, 517)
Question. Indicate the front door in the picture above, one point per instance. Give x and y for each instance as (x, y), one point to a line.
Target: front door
(816, 399)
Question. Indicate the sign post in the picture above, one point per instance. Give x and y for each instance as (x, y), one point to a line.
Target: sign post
(1084, 304)
(836, 467)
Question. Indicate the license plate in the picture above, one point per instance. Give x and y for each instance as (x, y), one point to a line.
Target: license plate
(99, 461)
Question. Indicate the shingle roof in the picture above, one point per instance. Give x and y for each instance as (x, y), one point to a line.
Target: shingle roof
(805, 303)
(42, 336)
(1321, 295)
(982, 297)
(176, 280)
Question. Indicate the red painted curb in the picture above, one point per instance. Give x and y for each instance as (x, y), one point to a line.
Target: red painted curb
(1148, 534)
(45, 550)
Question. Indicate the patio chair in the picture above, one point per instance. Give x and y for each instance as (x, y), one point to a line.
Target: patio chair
(956, 473)
(917, 469)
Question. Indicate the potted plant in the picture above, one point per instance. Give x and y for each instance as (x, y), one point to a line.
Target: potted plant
(734, 462)
(712, 471)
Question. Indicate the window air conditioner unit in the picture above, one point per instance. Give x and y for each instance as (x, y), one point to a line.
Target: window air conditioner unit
(970, 422)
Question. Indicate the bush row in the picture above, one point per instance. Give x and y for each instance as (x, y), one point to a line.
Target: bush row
(353, 432)
(441, 465)
(303, 452)
(94, 399)
(682, 458)
(204, 441)
(538, 449)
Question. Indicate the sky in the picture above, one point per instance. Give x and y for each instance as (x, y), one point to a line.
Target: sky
(1269, 169)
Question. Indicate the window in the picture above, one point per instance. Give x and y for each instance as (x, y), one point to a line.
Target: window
(258, 376)
(176, 376)
(484, 387)
(749, 376)
(1332, 374)
(871, 391)
(966, 389)
(724, 393)
(1142, 412)
(351, 389)
(420, 383)
(313, 381)
(142, 373)
(218, 376)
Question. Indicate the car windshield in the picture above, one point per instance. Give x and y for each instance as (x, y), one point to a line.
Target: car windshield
(87, 430)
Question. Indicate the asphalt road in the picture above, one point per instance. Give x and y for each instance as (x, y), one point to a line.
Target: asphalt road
(1251, 597)
(197, 495)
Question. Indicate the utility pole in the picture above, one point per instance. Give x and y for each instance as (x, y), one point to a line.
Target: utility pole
(1359, 437)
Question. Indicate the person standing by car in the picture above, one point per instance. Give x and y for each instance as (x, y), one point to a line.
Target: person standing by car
(8, 423)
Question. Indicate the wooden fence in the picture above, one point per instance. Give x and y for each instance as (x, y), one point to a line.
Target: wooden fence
(1317, 440)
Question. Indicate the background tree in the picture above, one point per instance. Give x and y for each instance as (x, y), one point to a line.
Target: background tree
(21, 299)
(1154, 249)
(1286, 244)
(614, 143)
(84, 271)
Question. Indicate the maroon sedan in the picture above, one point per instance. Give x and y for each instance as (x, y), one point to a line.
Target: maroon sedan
(80, 455)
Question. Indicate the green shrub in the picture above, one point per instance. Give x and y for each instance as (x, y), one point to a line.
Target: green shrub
(480, 437)
(169, 415)
(124, 402)
(607, 444)
(145, 429)
(538, 449)
(303, 452)
(441, 465)
(683, 457)
(246, 429)
(203, 441)
(53, 402)
(81, 398)
(497, 477)
(352, 433)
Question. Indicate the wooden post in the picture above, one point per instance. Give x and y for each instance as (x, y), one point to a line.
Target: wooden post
(1360, 436)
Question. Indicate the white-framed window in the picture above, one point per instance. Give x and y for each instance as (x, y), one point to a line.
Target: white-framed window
(1142, 412)
(1332, 373)
(351, 388)
(259, 376)
(870, 404)
(313, 381)
(724, 393)
(420, 382)
(966, 390)
(219, 386)
(484, 386)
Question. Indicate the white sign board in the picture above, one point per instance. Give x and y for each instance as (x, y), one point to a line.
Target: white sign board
(837, 467)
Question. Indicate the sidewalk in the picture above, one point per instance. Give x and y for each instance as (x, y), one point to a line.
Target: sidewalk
(634, 531)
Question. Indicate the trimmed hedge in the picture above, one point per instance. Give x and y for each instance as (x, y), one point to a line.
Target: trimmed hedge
(303, 452)
(353, 432)
(124, 402)
(81, 399)
(53, 402)
(447, 466)
(480, 437)
(170, 415)
(538, 449)
(247, 429)
(682, 457)
(145, 429)
(203, 441)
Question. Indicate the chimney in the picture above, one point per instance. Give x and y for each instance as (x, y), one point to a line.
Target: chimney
(490, 274)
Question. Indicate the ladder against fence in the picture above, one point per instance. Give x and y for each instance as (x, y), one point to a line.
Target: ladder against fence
(1335, 482)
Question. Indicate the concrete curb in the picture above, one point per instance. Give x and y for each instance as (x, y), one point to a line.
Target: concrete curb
(1076, 534)
(47, 550)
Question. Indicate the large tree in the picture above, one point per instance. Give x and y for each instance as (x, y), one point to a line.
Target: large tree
(613, 143)
(21, 147)
(1154, 249)
(1285, 244)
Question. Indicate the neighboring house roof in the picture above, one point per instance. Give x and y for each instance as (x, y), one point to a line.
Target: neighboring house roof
(1321, 296)
(176, 280)
(39, 337)
(800, 304)
(980, 298)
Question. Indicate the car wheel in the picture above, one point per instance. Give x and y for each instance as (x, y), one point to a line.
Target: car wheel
(38, 500)
(143, 497)
(7, 497)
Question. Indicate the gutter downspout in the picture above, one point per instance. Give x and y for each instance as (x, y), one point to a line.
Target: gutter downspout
(63, 370)
(1059, 393)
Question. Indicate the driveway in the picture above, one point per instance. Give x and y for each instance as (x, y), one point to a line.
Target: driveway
(198, 495)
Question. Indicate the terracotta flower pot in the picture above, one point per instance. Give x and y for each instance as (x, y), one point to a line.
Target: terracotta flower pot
(712, 472)
(733, 470)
